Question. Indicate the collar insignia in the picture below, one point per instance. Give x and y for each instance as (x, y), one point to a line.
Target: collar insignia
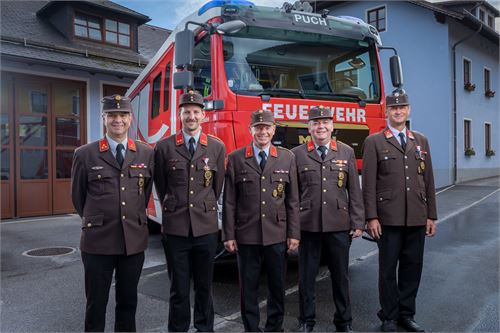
(249, 151)
(273, 151)
(131, 145)
(203, 139)
(179, 139)
(103, 145)
(310, 145)
(333, 145)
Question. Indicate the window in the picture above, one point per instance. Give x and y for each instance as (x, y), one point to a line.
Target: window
(166, 88)
(466, 71)
(487, 82)
(491, 23)
(467, 134)
(88, 27)
(376, 17)
(202, 67)
(155, 104)
(118, 33)
(481, 15)
(487, 137)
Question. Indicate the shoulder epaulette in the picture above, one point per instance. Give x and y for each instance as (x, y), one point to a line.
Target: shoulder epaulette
(283, 148)
(215, 137)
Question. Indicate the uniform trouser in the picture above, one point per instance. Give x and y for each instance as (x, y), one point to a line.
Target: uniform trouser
(186, 257)
(98, 276)
(397, 294)
(250, 260)
(336, 245)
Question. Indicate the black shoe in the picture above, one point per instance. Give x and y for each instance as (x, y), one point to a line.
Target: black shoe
(388, 326)
(409, 324)
(303, 327)
(344, 328)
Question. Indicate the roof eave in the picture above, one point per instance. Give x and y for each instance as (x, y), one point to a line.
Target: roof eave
(92, 70)
(473, 22)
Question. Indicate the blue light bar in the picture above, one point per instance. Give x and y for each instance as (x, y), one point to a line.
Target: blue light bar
(220, 3)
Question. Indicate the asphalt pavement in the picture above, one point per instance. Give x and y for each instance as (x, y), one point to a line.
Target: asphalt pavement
(459, 290)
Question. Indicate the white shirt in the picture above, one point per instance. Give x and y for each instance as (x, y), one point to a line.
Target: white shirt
(326, 151)
(112, 145)
(395, 132)
(257, 150)
(188, 136)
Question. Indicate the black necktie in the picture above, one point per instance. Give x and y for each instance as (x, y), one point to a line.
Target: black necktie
(263, 161)
(119, 155)
(403, 142)
(191, 146)
(322, 149)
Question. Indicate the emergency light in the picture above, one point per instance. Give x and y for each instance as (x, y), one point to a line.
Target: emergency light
(220, 3)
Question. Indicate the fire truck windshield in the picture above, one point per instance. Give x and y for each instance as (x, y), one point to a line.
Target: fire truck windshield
(301, 64)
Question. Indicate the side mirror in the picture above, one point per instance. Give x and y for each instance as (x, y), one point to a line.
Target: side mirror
(184, 46)
(396, 71)
(183, 80)
(230, 27)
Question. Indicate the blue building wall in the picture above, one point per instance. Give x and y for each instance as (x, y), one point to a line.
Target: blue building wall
(424, 46)
(475, 106)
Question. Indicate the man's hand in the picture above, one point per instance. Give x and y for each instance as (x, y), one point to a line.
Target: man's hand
(293, 244)
(430, 229)
(231, 246)
(355, 233)
(374, 229)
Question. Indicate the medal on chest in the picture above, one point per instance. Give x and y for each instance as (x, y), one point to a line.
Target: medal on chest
(140, 183)
(207, 175)
(420, 155)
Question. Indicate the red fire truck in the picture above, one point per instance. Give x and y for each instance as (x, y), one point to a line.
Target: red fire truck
(243, 57)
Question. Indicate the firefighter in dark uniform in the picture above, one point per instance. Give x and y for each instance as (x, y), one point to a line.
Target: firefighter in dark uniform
(111, 181)
(400, 210)
(331, 213)
(260, 219)
(189, 180)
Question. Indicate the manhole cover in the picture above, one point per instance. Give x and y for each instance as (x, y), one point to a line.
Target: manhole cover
(49, 251)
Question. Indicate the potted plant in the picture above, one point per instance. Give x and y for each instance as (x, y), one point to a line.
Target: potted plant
(469, 86)
(489, 93)
(470, 152)
(490, 152)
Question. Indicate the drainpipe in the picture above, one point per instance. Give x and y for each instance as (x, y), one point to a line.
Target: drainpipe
(453, 48)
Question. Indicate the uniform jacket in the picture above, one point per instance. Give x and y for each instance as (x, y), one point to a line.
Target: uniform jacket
(261, 207)
(330, 195)
(111, 200)
(189, 200)
(398, 186)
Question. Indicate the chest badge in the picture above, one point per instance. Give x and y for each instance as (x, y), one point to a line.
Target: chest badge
(278, 191)
(140, 183)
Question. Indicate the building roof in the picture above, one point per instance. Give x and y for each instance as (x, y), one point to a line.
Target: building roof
(463, 4)
(28, 36)
(458, 10)
(52, 5)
